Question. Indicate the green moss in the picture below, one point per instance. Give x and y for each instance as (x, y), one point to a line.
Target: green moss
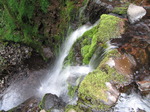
(72, 90)
(122, 10)
(70, 59)
(109, 27)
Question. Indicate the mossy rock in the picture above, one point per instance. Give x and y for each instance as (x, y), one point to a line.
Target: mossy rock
(93, 90)
(50, 102)
(108, 27)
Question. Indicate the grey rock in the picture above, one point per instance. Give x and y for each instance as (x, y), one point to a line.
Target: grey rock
(51, 101)
(135, 13)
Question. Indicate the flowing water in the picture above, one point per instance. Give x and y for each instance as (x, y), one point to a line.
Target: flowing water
(132, 103)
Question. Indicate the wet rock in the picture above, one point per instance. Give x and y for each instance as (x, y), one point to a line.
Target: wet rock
(95, 8)
(113, 93)
(136, 48)
(125, 64)
(30, 105)
(108, 28)
(144, 86)
(135, 13)
(51, 101)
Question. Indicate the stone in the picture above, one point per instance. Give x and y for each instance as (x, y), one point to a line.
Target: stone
(143, 85)
(124, 64)
(43, 110)
(72, 110)
(30, 105)
(47, 52)
(51, 101)
(95, 9)
(113, 93)
(135, 13)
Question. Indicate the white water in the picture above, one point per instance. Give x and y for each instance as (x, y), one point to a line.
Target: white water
(132, 102)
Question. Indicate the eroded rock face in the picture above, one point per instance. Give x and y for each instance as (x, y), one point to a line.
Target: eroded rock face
(13, 54)
(135, 13)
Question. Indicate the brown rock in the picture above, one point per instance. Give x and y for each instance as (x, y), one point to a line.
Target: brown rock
(144, 85)
(124, 65)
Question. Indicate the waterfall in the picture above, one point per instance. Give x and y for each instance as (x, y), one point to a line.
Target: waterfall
(100, 54)
(57, 77)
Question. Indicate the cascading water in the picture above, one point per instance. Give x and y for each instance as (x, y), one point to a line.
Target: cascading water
(55, 83)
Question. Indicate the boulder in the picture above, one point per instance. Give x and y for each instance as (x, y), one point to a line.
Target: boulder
(47, 52)
(95, 8)
(144, 85)
(135, 13)
(51, 101)
(100, 88)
